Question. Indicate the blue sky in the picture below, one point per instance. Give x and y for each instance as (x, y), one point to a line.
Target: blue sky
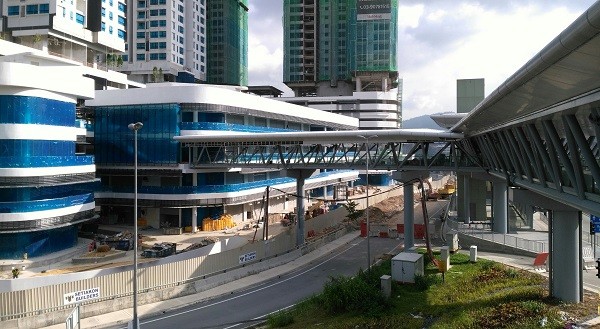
(439, 41)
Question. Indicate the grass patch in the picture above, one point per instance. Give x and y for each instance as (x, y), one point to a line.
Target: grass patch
(473, 295)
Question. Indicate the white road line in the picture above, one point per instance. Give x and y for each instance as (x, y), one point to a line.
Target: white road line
(250, 292)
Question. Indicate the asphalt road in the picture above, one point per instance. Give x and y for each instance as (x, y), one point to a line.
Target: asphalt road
(247, 307)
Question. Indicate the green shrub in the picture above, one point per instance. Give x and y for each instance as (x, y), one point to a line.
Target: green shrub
(280, 319)
(352, 295)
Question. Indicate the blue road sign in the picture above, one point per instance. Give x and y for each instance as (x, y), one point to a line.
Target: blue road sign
(595, 220)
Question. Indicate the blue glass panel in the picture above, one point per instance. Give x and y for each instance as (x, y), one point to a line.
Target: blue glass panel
(27, 148)
(48, 204)
(211, 188)
(229, 127)
(114, 141)
(45, 161)
(37, 243)
(46, 192)
(36, 110)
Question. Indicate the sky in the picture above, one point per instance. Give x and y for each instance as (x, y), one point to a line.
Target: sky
(439, 41)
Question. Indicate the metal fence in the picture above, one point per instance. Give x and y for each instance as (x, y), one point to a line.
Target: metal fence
(38, 295)
(504, 239)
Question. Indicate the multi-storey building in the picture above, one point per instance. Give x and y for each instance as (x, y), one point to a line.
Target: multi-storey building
(344, 53)
(228, 42)
(187, 41)
(79, 30)
(170, 190)
(46, 186)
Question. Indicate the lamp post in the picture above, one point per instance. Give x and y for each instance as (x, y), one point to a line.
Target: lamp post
(366, 138)
(135, 127)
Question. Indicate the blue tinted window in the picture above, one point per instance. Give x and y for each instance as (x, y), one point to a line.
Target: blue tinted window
(32, 9)
(79, 18)
(121, 34)
(13, 10)
(122, 7)
(44, 8)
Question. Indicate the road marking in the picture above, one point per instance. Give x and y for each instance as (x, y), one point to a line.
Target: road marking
(252, 291)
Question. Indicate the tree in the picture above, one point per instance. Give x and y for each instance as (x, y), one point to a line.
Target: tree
(353, 213)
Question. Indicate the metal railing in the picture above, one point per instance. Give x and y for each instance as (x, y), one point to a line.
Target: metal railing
(504, 239)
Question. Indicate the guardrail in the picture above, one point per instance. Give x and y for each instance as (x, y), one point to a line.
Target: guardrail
(504, 239)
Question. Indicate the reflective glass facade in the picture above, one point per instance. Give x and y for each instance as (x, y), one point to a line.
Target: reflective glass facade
(40, 218)
(114, 141)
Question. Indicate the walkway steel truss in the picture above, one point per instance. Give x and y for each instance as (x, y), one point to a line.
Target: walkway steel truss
(557, 156)
(442, 156)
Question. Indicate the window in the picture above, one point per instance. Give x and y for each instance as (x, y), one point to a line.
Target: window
(141, 26)
(153, 57)
(32, 9)
(13, 10)
(121, 34)
(110, 15)
(140, 57)
(140, 46)
(110, 30)
(44, 8)
(122, 7)
(79, 18)
(122, 20)
(140, 35)
(141, 4)
(103, 26)
(103, 12)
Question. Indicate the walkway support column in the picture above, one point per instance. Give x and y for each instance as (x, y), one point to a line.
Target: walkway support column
(409, 178)
(500, 207)
(565, 259)
(466, 187)
(566, 256)
(300, 175)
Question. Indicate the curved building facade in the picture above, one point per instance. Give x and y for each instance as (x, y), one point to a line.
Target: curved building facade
(46, 187)
(171, 192)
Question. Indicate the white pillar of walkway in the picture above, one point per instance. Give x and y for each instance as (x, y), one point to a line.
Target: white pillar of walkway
(300, 175)
(194, 219)
(409, 216)
(409, 178)
(566, 264)
(500, 207)
(564, 237)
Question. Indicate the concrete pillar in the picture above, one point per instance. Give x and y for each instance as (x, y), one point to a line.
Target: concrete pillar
(529, 215)
(194, 219)
(566, 267)
(409, 216)
(358, 84)
(500, 207)
(466, 187)
(300, 175)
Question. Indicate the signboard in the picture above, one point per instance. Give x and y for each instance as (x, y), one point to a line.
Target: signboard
(245, 258)
(595, 224)
(373, 9)
(81, 296)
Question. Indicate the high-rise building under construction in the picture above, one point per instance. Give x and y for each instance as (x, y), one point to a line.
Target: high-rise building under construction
(339, 45)
(344, 53)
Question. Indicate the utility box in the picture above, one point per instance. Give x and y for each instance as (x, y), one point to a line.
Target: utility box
(452, 240)
(405, 266)
(473, 254)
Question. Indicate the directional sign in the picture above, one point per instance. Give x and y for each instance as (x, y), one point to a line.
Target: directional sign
(595, 221)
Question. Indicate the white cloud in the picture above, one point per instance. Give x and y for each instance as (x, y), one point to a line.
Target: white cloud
(439, 41)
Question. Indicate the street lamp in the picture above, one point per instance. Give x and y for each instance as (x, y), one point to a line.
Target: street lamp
(135, 127)
(366, 138)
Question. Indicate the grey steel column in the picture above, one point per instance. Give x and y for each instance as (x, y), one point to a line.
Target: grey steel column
(500, 207)
(466, 186)
(300, 209)
(566, 259)
(409, 216)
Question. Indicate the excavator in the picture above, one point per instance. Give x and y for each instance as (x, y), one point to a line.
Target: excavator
(430, 192)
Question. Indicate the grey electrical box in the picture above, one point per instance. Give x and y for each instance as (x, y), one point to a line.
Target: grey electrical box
(405, 266)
